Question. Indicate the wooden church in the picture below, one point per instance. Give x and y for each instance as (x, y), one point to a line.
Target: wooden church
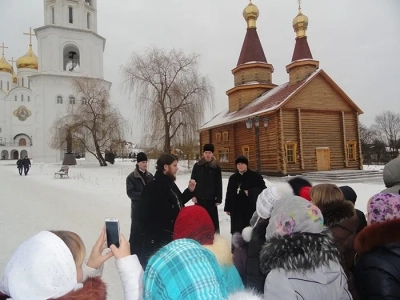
(306, 124)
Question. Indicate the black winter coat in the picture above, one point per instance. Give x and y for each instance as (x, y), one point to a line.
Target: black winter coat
(27, 162)
(208, 180)
(255, 279)
(20, 163)
(156, 214)
(362, 221)
(135, 184)
(377, 268)
(240, 206)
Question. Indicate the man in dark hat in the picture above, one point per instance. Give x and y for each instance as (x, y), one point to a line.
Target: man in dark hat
(207, 174)
(242, 192)
(135, 183)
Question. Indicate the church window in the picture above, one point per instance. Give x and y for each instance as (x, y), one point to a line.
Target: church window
(70, 15)
(52, 15)
(351, 150)
(84, 102)
(0, 129)
(246, 151)
(88, 20)
(8, 85)
(218, 137)
(1, 84)
(22, 98)
(59, 100)
(71, 58)
(225, 136)
(290, 151)
(16, 98)
(23, 82)
(29, 98)
(223, 155)
(72, 100)
(29, 84)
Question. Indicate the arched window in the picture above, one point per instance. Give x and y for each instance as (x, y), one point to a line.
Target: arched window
(88, 20)
(84, 102)
(22, 98)
(16, 98)
(52, 15)
(72, 100)
(70, 15)
(8, 86)
(23, 82)
(22, 142)
(1, 84)
(29, 84)
(71, 58)
(59, 100)
(29, 99)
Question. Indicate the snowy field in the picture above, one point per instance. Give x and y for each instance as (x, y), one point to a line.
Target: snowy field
(80, 204)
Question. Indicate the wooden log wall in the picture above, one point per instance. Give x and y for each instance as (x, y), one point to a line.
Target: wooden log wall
(246, 137)
(269, 145)
(290, 135)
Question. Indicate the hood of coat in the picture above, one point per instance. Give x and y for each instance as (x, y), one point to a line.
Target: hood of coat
(298, 252)
(386, 234)
(337, 213)
(246, 294)
(93, 289)
(213, 163)
(137, 175)
(238, 241)
(222, 251)
(391, 173)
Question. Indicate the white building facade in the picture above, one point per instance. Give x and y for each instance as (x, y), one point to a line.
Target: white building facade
(68, 48)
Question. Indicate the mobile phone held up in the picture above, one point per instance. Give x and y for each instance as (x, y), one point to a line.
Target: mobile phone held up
(112, 232)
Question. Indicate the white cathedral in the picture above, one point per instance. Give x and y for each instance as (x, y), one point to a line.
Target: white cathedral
(40, 89)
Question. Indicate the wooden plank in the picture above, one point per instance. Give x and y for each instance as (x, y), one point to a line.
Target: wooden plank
(300, 139)
(360, 157)
(346, 160)
(282, 150)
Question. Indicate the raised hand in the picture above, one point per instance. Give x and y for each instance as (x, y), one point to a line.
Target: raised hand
(96, 258)
(123, 250)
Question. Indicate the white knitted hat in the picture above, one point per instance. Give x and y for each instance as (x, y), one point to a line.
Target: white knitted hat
(269, 196)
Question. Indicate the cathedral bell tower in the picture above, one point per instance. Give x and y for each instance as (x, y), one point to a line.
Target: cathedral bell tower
(303, 64)
(68, 42)
(253, 74)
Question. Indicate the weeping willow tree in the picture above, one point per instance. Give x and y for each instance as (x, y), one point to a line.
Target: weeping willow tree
(171, 94)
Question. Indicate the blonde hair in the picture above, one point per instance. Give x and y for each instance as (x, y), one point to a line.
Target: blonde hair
(74, 243)
(324, 194)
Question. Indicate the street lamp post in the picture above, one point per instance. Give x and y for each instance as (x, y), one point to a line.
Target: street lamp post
(249, 125)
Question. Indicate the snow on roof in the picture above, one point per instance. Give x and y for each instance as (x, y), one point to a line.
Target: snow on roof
(269, 101)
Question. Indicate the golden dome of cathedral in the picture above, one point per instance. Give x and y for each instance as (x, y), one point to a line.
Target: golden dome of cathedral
(14, 77)
(300, 24)
(29, 60)
(250, 14)
(4, 65)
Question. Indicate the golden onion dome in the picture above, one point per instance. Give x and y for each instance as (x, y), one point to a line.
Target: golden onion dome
(4, 65)
(29, 60)
(250, 14)
(300, 24)
(14, 77)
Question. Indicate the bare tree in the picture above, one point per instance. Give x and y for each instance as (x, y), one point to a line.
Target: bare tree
(171, 93)
(91, 121)
(388, 125)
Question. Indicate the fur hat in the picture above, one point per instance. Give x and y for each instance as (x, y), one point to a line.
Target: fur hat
(383, 207)
(184, 269)
(208, 147)
(349, 193)
(141, 156)
(269, 196)
(294, 214)
(242, 159)
(194, 222)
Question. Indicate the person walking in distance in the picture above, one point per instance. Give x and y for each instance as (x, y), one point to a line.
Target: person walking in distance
(27, 165)
(242, 192)
(135, 183)
(208, 193)
(159, 207)
(20, 165)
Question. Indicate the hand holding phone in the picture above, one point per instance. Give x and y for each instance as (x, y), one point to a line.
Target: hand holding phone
(112, 232)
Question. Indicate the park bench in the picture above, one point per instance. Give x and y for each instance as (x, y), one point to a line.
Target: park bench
(62, 173)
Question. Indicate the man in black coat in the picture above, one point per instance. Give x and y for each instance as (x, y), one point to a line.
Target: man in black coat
(241, 195)
(160, 205)
(20, 165)
(135, 183)
(208, 193)
(350, 195)
(27, 165)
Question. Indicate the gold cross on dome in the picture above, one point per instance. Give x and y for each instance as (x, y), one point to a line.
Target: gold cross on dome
(12, 61)
(30, 35)
(2, 48)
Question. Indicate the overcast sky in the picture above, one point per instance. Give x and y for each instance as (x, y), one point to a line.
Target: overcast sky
(356, 41)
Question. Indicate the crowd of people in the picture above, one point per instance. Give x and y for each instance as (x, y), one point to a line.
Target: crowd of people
(292, 240)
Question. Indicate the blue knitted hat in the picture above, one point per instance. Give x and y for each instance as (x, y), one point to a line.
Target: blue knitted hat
(184, 269)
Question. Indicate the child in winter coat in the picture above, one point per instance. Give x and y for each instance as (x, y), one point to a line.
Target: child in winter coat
(377, 268)
(195, 223)
(299, 256)
(50, 265)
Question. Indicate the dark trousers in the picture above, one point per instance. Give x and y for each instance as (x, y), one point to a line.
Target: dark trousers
(26, 170)
(212, 210)
(20, 171)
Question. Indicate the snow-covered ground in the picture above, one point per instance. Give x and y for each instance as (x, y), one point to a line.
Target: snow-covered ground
(80, 204)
